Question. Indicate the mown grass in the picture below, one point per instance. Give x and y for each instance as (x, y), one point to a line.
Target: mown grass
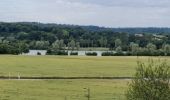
(61, 89)
(68, 66)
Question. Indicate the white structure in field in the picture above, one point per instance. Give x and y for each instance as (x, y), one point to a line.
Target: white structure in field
(36, 52)
(80, 53)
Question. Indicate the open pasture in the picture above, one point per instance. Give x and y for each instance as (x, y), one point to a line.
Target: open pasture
(62, 89)
(64, 66)
(73, 66)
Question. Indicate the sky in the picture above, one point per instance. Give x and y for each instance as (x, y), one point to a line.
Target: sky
(107, 13)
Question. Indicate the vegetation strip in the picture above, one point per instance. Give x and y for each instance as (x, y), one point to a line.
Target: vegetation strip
(53, 78)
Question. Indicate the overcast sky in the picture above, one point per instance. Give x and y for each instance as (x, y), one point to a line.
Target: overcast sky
(109, 13)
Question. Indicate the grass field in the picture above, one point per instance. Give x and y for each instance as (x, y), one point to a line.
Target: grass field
(66, 66)
(59, 89)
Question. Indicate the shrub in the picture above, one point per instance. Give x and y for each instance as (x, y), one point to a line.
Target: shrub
(107, 54)
(119, 54)
(74, 53)
(49, 52)
(38, 53)
(116, 54)
(91, 54)
(151, 82)
(154, 53)
(168, 54)
(128, 54)
(61, 53)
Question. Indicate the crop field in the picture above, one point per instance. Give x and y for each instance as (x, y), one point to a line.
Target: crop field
(63, 66)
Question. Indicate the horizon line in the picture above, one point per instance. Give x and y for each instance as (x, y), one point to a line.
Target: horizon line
(83, 25)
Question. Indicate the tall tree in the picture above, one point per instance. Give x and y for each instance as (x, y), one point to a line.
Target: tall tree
(72, 45)
(119, 49)
(166, 49)
(42, 44)
(118, 43)
(77, 45)
(55, 46)
(134, 48)
(151, 48)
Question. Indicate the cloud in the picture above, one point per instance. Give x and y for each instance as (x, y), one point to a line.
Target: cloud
(111, 13)
(126, 3)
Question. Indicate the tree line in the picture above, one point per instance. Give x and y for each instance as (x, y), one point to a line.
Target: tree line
(16, 38)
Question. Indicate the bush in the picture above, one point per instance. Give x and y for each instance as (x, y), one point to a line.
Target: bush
(107, 54)
(168, 54)
(74, 53)
(91, 54)
(119, 54)
(128, 54)
(158, 53)
(61, 53)
(151, 82)
(49, 52)
(38, 53)
(116, 54)
(145, 52)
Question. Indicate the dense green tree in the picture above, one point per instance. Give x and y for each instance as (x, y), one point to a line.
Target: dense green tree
(118, 43)
(58, 45)
(134, 48)
(166, 49)
(22, 35)
(55, 46)
(77, 45)
(62, 44)
(65, 33)
(41, 45)
(151, 48)
(103, 42)
(118, 49)
(22, 47)
(72, 45)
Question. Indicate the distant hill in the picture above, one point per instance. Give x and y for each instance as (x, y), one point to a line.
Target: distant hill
(129, 30)
(155, 30)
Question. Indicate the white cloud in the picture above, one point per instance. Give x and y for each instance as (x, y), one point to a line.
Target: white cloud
(112, 13)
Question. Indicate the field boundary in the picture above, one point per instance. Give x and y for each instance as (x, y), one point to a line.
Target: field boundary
(56, 78)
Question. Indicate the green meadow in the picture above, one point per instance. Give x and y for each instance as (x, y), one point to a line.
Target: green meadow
(72, 66)
(68, 66)
(62, 89)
